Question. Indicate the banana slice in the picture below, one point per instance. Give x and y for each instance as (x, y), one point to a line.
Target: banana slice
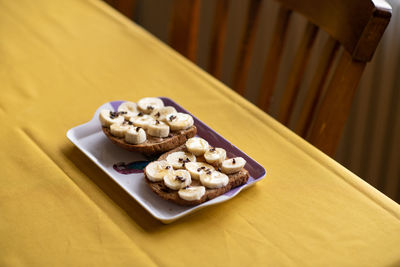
(158, 129)
(135, 135)
(214, 179)
(179, 121)
(177, 179)
(215, 156)
(130, 108)
(196, 168)
(156, 170)
(192, 192)
(233, 165)
(142, 120)
(180, 158)
(161, 113)
(148, 104)
(197, 146)
(108, 117)
(119, 130)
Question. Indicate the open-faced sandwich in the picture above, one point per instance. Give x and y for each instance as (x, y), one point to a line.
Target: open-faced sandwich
(194, 173)
(147, 126)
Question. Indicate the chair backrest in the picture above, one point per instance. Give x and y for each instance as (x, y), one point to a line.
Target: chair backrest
(357, 26)
(354, 28)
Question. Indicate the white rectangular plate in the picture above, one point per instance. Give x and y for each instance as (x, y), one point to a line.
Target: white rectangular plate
(124, 166)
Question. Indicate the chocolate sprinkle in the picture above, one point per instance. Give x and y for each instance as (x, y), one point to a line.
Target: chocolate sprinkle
(150, 107)
(173, 117)
(180, 160)
(209, 172)
(115, 114)
(233, 161)
(140, 114)
(168, 167)
(180, 178)
(157, 122)
(138, 128)
(212, 149)
(158, 114)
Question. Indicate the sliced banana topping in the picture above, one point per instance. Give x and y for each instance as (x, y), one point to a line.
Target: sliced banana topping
(158, 129)
(148, 104)
(192, 192)
(119, 130)
(179, 121)
(135, 135)
(130, 108)
(177, 179)
(197, 146)
(156, 170)
(143, 120)
(196, 168)
(215, 156)
(179, 159)
(161, 113)
(108, 117)
(214, 179)
(233, 165)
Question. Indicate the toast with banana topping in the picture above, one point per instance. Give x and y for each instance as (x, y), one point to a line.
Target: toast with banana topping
(147, 126)
(194, 173)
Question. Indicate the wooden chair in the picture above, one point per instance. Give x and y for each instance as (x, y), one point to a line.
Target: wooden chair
(355, 25)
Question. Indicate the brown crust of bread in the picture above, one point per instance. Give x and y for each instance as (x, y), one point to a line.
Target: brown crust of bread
(235, 180)
(154, 145)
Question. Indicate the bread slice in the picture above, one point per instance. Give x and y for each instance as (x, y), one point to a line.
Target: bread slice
(235, 180)
(154, 145)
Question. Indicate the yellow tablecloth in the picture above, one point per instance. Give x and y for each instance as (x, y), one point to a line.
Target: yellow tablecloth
(59, 61)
